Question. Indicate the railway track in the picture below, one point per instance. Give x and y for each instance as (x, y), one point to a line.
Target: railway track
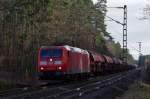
(78, 92)
(29, 88)
(73, 90)
(17, 92)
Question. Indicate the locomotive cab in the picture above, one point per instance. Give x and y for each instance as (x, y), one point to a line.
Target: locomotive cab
(52, 61)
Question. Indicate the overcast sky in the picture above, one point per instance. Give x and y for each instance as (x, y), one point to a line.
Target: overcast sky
(138, 30)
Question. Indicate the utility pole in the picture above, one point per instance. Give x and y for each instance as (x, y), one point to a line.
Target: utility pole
(125, 49)
(125, 38)
(141, 58)
(140, 48)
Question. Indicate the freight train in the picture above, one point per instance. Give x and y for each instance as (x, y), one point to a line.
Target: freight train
(67, 61)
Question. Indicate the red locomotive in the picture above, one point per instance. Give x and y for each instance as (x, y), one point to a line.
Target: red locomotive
(70, 61)
(63, 60)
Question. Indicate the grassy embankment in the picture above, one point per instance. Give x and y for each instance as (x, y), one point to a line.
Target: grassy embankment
(4, 85)
(138, 90)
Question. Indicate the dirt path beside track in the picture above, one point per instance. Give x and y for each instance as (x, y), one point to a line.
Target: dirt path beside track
(138, 90)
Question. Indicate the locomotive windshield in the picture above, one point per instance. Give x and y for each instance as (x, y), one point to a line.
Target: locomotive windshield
(51, 53)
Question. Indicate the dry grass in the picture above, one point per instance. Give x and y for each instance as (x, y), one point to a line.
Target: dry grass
(138, 90)
(5, 85)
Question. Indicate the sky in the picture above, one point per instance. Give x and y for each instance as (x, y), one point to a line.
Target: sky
(138, 30)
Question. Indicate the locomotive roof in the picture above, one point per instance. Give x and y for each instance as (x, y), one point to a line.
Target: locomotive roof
(70, 48)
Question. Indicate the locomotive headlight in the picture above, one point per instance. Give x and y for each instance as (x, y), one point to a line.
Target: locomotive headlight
(50, 60)
(42, 68)
(58, 62)
(59, 68)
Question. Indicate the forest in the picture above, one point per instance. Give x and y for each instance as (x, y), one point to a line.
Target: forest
(26, 25)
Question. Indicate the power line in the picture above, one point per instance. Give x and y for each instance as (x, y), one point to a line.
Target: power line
(115, 20)
(134, 48)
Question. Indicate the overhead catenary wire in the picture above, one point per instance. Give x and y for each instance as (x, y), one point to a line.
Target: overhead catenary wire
(133, 48)
(115, 20)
